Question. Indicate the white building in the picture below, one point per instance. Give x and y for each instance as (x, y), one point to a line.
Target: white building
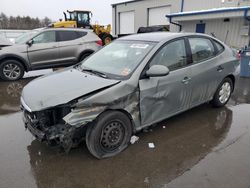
(228, 20)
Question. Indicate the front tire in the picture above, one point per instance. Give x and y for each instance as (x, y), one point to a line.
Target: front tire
(11, 70)
(223, 93)
(110, 134)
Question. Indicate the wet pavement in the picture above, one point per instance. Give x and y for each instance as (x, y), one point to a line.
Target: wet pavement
(204, 147)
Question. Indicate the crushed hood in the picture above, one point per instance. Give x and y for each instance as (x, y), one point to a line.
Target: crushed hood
(61, 87)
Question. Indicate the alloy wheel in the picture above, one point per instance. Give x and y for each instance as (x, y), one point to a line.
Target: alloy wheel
(11, 71)
(225, 92)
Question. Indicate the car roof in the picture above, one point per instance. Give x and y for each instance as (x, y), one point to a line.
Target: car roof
(158, 36)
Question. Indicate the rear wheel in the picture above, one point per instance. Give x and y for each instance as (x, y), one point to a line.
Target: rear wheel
(223, 93)
(11, 70)
(84, 56)
(110, 135)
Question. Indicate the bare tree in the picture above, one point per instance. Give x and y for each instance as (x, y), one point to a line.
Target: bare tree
(25, 22)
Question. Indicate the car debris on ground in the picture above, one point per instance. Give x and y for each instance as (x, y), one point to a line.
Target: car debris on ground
(134, 139)
(151, 145)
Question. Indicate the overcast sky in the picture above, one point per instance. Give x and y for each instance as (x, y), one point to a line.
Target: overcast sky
(101, 9)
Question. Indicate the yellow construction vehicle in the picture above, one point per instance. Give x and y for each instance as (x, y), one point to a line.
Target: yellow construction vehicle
(81, 19)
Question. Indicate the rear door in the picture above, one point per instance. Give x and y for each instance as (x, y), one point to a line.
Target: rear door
(69, 45)
(206, 68)
(44, 50)
(162, 97)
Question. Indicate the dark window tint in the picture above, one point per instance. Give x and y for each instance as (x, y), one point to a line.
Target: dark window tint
(173, 55)
(219, 46)
(45, 37)
(70, 35)
(81, 34)
(201, 48)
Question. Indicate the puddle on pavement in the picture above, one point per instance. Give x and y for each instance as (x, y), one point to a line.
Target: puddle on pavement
(194, 148)
(10, 93)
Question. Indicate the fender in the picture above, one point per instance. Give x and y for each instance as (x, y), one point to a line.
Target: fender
(25, 63)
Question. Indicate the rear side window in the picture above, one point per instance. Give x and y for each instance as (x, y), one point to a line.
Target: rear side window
(81, 33)
(219, 46)
(202, 49)
(69, 35)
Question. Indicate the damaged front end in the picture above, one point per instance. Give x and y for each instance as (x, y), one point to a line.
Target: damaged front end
(64, 122)
(48, 126)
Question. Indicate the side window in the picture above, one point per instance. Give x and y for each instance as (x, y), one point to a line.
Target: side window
(219, 46)
(81, 34)
(173, 55)
(201, 48)
(67, 35)
(45, 37)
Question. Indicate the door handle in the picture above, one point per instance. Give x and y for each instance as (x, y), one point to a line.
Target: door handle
(186, 80)
(220, 68)
(54, 46)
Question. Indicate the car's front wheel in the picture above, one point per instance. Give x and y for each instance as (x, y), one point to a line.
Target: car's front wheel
(109, 135)
(11, 70)
(223, 93)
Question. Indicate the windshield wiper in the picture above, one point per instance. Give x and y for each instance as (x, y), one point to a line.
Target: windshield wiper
(101, 74)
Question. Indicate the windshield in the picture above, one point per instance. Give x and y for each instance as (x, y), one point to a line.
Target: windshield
(25, 37)
(119, 59)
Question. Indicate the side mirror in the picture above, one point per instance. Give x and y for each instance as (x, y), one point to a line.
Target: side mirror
(157, 71)
(30, 42)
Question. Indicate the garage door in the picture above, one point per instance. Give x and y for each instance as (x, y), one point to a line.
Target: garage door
(157, 16)
(127, 22)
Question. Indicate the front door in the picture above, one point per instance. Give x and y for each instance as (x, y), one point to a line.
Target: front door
(162, 97)
(44, 50)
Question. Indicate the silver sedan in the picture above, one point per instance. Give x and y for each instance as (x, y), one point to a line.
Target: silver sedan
(134, 82)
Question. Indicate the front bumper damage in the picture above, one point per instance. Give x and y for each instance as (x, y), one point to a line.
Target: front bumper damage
(47, 126)
(66, 125)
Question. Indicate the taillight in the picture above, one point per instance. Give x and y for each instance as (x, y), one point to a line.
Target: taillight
(238, 56)
(99, 42)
